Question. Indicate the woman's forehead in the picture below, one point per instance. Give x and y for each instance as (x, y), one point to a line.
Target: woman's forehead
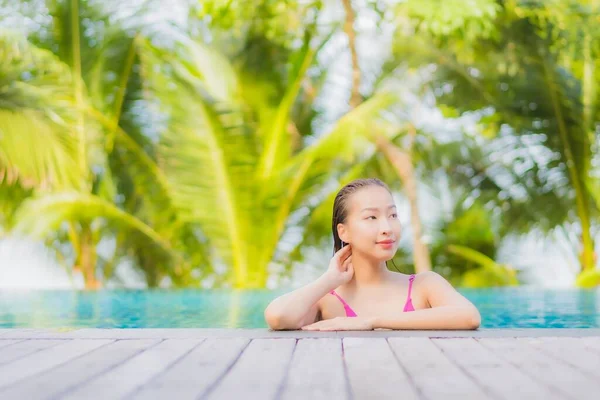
(374, 197)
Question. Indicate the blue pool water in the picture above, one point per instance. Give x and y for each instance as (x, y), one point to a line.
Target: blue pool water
(500, 308)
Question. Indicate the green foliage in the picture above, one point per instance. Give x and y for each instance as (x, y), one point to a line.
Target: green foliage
(470, 20)
(536, 77)
(203, 145)
(489, 273)
(278, 20)
(34, 108)
(230, 161)
(588, 279)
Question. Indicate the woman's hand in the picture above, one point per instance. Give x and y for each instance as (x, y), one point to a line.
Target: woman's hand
(340, 269)
(341, 324)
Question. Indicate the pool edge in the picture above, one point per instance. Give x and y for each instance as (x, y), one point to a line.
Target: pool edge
(180, 333)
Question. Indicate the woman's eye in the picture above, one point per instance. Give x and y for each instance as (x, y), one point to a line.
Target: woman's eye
(394, 215)
(372, 216)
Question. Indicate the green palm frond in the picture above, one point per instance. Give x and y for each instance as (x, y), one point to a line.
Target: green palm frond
(11, 197)
(42, 215)
(532, 77)
(276, 139)
(277, 147)
(337, 149)
(210, 149)
(37, 141)
(349, 137)
(338, 155)
(488, 274)
(206, 152)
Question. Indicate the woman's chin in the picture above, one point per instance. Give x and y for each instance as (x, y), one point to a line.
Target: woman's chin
(379, 255)
(385, 255)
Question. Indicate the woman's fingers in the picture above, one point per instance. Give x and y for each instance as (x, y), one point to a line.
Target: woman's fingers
(342, 253)
(346, 263)
(350, 267)
(315, 327)
(325, 325)
(347, 253)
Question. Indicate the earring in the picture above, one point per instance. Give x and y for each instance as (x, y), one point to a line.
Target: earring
(342, 243)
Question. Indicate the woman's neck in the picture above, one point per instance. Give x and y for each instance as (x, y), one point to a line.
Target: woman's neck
(367, 272)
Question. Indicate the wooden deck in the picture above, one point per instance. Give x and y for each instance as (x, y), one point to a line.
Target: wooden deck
(259, 364)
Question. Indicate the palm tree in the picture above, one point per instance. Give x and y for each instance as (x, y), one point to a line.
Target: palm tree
(228, 168)
(523, 63)
(64, 100)
(228, 152)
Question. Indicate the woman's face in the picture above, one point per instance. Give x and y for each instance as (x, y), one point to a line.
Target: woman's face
(372, 226)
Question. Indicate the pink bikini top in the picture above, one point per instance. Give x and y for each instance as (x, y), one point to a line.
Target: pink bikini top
(408, 306)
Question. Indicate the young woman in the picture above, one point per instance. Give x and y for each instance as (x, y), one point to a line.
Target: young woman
(358, 292)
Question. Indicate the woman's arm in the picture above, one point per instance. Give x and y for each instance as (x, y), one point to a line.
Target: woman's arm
(298, 308)
(449, 310)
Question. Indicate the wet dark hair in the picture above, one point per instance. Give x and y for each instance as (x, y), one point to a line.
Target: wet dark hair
(340, 206)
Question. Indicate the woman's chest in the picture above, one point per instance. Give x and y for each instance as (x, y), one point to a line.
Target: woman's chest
(332, 306)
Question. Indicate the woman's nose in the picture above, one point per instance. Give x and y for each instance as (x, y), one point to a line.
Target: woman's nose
(385, 227)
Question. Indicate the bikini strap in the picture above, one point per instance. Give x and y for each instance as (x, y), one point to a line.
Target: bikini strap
(410, 284)
(338, 296)
(349, 311)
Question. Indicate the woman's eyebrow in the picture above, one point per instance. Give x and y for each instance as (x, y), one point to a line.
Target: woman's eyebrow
(375, 208)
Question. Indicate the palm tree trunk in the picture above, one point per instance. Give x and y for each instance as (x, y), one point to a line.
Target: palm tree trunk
(401, 160)
(88, 258)
(74, 239)
(355, 98)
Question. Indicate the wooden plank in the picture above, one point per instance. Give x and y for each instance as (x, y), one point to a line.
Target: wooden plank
(553, 373)
(5, 331)
(25, 333)
(434, 375)
(24, 348)
(119, 382)
(194, 374)
(316, 371)
(569, 350)
(259, 371)
(46, 359)
(8, 342)
(371, 364)
(591, 343)
(30, 333)
(58, 380)
(502, 379)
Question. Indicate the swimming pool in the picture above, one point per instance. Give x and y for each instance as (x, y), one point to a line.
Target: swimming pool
(500, 308)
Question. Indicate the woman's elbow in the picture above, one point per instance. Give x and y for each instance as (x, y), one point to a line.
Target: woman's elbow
(275, 321)
(272, 317)
(474, 320)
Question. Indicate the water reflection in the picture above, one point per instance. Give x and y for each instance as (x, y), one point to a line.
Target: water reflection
(500, 308)
(234, 309)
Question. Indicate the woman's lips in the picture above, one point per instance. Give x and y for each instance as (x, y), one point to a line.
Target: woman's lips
(386, 244)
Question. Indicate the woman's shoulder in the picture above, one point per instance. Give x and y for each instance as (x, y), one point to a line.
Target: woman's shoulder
(428, 275)
(429, 279)
(430, 283)
(420, 277)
